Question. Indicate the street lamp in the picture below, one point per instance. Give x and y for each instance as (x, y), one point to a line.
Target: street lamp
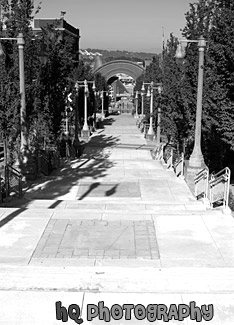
(85, 129)
(150, 93)
(136, 103)
(142, 100)
(196, 160)
(102, 97)
(23, 129)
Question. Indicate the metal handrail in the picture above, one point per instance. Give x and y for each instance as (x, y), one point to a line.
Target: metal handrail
(169, 161)
(219, 186)
(179, 166)
(145, 129)
(157, 153)
(201, 181)
(217, 180)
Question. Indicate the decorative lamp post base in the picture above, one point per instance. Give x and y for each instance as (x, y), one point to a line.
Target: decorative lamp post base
(196, 160)
(150, 133)
(85, 134)
(150, 137)
(189, 174)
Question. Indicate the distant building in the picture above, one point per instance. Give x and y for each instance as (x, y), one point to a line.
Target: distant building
(140, 64)
(66, 30)
(148, 62)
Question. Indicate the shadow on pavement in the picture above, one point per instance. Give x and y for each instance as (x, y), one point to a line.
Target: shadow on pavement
(111, 191)
(93, 164)
(92, 187)
(109, 121)
(11, 216)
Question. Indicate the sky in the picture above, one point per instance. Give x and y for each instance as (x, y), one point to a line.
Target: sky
(131, 25)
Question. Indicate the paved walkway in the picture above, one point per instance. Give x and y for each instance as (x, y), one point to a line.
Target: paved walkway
(114, 226)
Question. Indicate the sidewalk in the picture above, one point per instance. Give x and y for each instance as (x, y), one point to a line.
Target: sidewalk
(115, 226)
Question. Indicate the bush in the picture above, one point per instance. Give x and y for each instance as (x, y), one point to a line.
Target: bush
(231, 200)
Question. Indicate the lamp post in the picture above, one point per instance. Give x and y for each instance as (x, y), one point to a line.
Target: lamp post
(142, 100)
(85, 129)
(23, 129)
(196, 159)
(150, 93)
(76, 110)
(136, 103)
(159, 118)
(102, 97)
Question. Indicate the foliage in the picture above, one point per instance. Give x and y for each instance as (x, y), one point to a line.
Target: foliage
(46, 84)
(115, 54)
(213, 20)
(16, 17)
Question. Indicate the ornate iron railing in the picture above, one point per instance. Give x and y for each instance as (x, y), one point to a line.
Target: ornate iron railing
(201, 182)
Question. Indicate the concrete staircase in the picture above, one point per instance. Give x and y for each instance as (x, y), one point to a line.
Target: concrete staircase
(114, 226)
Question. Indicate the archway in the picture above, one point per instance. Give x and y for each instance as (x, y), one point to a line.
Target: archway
(110, 69)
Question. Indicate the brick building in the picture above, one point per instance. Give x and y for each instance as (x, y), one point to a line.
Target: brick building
(65, 28)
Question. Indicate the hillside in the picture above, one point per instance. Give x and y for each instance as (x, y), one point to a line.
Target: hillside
(112, 55)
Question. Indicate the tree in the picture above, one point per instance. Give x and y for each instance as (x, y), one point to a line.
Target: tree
(174, 118)
(45, 83)
(16, 17)
(101, 84)
(213, 19)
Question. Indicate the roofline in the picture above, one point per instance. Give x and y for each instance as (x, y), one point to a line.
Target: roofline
(59, 28)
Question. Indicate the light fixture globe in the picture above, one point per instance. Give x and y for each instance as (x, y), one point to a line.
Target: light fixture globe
(179, 54)
(148, 93)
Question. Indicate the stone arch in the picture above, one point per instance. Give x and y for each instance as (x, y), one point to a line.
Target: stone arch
(109, 69)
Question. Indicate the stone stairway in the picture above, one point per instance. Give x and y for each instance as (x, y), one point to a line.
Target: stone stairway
(114, 226)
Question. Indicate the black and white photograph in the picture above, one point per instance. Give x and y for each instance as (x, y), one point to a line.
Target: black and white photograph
(116, 162)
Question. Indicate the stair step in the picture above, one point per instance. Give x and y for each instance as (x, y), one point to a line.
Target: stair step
(101, 213)
(123, 206)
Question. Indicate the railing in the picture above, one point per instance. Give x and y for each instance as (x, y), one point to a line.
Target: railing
(145, 129)
(179, 166)
(201, 182)
(2, 152)
(169, 159)
(2, 188)
(219, 185)
(157, 153)
(13, 181)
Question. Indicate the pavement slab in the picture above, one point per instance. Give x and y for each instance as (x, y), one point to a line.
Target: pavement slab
(65, 238)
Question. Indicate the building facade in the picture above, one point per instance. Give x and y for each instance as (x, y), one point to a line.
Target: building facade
(65, 29)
